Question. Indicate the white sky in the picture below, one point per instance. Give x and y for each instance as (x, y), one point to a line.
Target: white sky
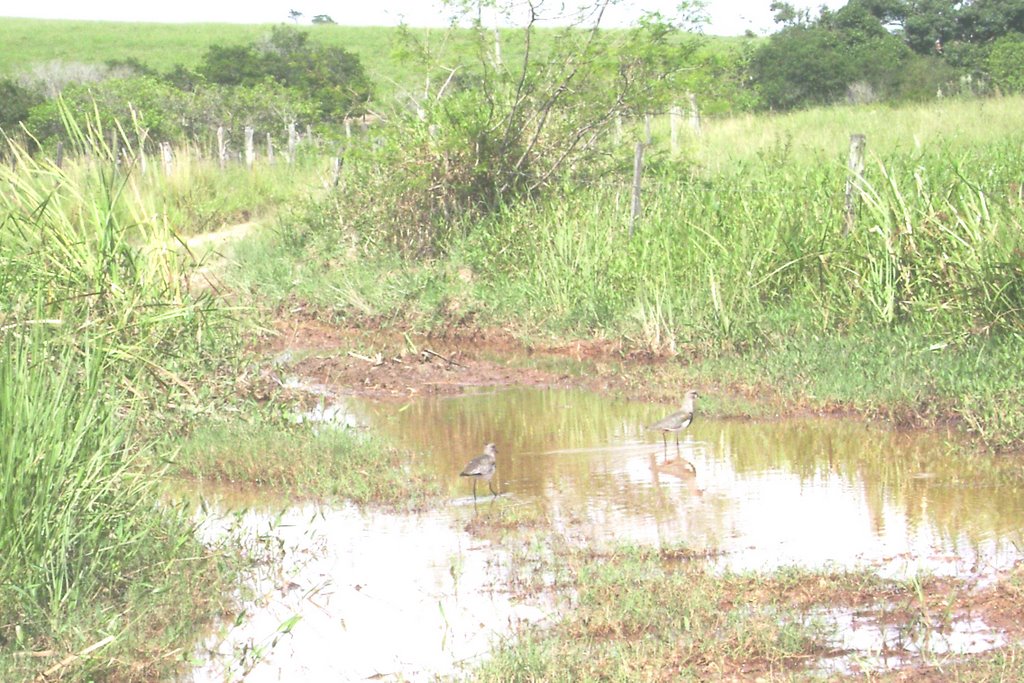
(728, 17)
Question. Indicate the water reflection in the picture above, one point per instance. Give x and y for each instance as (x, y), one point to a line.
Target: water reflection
(810, 491)
(360, 596)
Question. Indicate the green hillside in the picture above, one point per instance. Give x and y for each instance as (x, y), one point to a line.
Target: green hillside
(27, 43)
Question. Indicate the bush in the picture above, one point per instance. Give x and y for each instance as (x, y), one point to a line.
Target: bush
(160, 112)
(15, 103)
(330, 77)
(493, 136)
(1005, 62)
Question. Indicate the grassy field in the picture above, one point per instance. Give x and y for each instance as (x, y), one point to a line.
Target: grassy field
(27, 42)
(740, 271)
(392, 59)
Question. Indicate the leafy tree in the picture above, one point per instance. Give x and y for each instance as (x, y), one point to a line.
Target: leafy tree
(817, 62)
(1006, 63)
(16, 101)
(323, 19)
(233, 65)
(329, 76)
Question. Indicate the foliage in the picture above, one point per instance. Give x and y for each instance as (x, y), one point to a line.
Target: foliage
(15, 103)
(1005, 61)
(817, 62)
(330, 77)
(496, 133)
(99, 334)
(160, 112)
(814, 60)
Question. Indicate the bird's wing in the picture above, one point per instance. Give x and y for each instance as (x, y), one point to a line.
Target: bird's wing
(477, 465)
(673, 420)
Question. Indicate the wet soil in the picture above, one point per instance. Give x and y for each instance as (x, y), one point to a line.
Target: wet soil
(382, 365)
(369, 360)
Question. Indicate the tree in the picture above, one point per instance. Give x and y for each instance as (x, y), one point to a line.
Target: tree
(294, 15)
(1005, 63)
(323, 19)
(329, 76)
(817, 62)
(16, 101)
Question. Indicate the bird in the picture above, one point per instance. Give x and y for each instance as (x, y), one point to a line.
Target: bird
(677, 421)
(482, 467)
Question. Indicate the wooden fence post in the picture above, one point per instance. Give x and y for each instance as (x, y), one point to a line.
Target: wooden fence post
(250, 148)
(168, 157)
(638, 169)
(336, 171)
(60, 153)
(270, 149)
(291, 142)
(222, 148)
(675, 120)
(855, 170)
(694, 115)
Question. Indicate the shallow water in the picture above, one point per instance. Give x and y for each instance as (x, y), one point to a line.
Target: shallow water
(812, 492)
(411, 597)
(360, 595)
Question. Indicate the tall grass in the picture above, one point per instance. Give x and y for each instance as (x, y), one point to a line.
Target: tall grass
(97, 324)
(749, 254)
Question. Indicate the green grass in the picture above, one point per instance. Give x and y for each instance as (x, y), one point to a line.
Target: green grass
(637, 613)
(88, 554)
(100, 338)
(306, 461)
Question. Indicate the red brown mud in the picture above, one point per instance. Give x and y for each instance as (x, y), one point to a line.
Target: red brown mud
(387, 365)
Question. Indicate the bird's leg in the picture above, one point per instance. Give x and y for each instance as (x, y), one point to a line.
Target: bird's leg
(474, 491)
(491, 486)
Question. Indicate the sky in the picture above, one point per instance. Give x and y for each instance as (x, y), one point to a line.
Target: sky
(728, 17)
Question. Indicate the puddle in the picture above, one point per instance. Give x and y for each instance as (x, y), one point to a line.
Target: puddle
(361, 596)
(806, 492)
(411, 597)
(873, 647)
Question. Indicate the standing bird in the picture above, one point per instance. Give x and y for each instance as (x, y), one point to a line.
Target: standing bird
(482, 467)
(677, 421)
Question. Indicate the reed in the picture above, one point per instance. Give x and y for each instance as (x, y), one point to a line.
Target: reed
(100, 336)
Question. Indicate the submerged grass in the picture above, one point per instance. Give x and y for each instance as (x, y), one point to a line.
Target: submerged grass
(638, 613)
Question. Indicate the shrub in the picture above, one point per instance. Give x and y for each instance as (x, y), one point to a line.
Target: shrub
(1004, 63)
